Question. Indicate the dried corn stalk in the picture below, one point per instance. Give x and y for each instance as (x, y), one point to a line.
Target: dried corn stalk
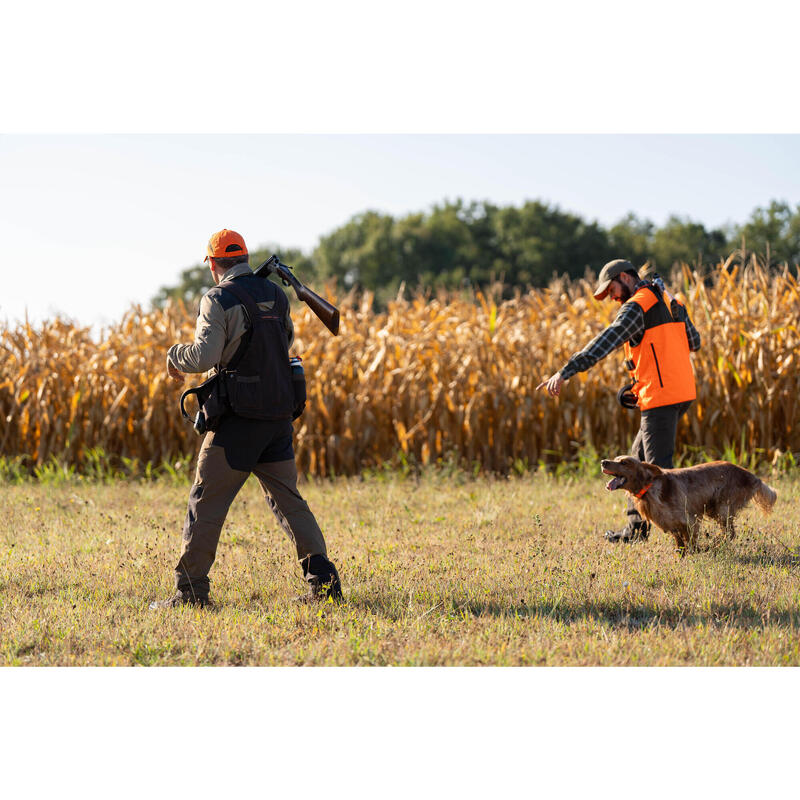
(435, 377)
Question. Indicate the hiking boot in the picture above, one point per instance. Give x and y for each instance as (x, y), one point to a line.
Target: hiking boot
(181, 598)
(632, 532)
(323, 581)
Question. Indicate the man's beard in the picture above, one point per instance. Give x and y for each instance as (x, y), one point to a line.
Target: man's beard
(627, 293)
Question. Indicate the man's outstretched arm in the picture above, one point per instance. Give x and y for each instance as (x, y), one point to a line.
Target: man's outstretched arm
(629, 324)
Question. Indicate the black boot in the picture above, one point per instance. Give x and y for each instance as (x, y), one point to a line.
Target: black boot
(637, 530)
(182, 597)
(322, 578)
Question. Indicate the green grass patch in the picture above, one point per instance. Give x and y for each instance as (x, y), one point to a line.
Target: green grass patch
(438, 568)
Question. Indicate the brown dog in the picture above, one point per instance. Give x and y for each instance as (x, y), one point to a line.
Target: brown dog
(677, 499)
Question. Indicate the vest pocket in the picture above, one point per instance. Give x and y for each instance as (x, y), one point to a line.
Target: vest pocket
(658, 369)
(245, 394)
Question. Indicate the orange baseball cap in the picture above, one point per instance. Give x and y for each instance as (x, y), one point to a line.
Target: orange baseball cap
(226, 244)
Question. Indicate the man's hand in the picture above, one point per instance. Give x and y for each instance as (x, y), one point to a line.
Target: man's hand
(175, 373)
(552, 385)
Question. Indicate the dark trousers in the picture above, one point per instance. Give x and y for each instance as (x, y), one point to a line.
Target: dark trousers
(655, 441)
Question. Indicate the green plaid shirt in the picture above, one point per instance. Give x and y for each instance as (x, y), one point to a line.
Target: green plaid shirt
(627, 327)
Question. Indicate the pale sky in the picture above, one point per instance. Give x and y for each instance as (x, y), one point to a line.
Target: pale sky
(122, 149)
(129, 212)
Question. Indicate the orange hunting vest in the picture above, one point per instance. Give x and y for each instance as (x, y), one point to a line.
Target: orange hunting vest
(660, 364)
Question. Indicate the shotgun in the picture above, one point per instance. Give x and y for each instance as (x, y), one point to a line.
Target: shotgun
(328, 314)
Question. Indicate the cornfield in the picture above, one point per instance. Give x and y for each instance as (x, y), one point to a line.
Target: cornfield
(435, 378)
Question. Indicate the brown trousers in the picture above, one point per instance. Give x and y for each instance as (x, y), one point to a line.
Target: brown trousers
(215, 485)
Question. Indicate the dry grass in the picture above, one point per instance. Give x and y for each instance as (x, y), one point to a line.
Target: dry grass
(434, 379)
(437, 571)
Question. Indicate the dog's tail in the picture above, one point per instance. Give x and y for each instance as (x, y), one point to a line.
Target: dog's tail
(765, 497)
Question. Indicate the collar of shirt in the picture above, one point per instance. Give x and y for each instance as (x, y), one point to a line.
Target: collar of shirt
(236, 271)
(626, 307)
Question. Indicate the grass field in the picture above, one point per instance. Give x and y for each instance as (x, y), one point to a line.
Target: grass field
(437, 570)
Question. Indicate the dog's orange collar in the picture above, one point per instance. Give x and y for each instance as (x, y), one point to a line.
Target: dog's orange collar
(643, 492)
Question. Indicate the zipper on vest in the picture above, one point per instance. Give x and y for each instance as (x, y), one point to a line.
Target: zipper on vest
(658, 370)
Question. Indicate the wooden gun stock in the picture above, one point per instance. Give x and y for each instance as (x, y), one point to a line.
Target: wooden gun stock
(328, 314)
(322, 308)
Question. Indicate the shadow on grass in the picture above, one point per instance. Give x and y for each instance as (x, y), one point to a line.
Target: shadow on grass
(634, 616)
(769, 559)
(622, 615)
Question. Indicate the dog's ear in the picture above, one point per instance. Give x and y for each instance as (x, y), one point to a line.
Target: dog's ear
(652, 469)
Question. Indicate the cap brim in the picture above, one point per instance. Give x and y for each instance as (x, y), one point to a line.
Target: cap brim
(602, 290)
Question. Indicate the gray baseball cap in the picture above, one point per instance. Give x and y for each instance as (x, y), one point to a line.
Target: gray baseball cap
(608, 273)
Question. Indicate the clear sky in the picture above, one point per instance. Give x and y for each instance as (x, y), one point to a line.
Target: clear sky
(129, 212)
(127, 142)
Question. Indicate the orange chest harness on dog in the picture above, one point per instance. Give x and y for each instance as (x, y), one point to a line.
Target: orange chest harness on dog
(643, 492)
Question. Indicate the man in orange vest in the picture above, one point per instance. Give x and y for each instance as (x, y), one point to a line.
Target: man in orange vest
(657, 335)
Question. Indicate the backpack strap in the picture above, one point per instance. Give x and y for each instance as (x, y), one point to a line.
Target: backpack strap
(250, 312)
(663, 295)
(242, 295)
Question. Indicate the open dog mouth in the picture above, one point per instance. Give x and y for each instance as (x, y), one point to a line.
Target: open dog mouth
(617, 482)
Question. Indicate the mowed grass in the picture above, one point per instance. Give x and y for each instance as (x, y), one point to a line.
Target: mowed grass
(437, 570)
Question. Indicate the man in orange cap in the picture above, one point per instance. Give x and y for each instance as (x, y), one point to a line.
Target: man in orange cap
(655, 330)
(244, 331)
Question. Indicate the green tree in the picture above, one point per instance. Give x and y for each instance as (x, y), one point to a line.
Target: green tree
(451, 246)
(632, 238)
(681, 240)
(362, 252)
(377, 252)
(458, 242)
(772, 232)
(536, 241)
(192, 284)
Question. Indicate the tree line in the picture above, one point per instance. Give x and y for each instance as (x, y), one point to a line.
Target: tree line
(471, 244)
